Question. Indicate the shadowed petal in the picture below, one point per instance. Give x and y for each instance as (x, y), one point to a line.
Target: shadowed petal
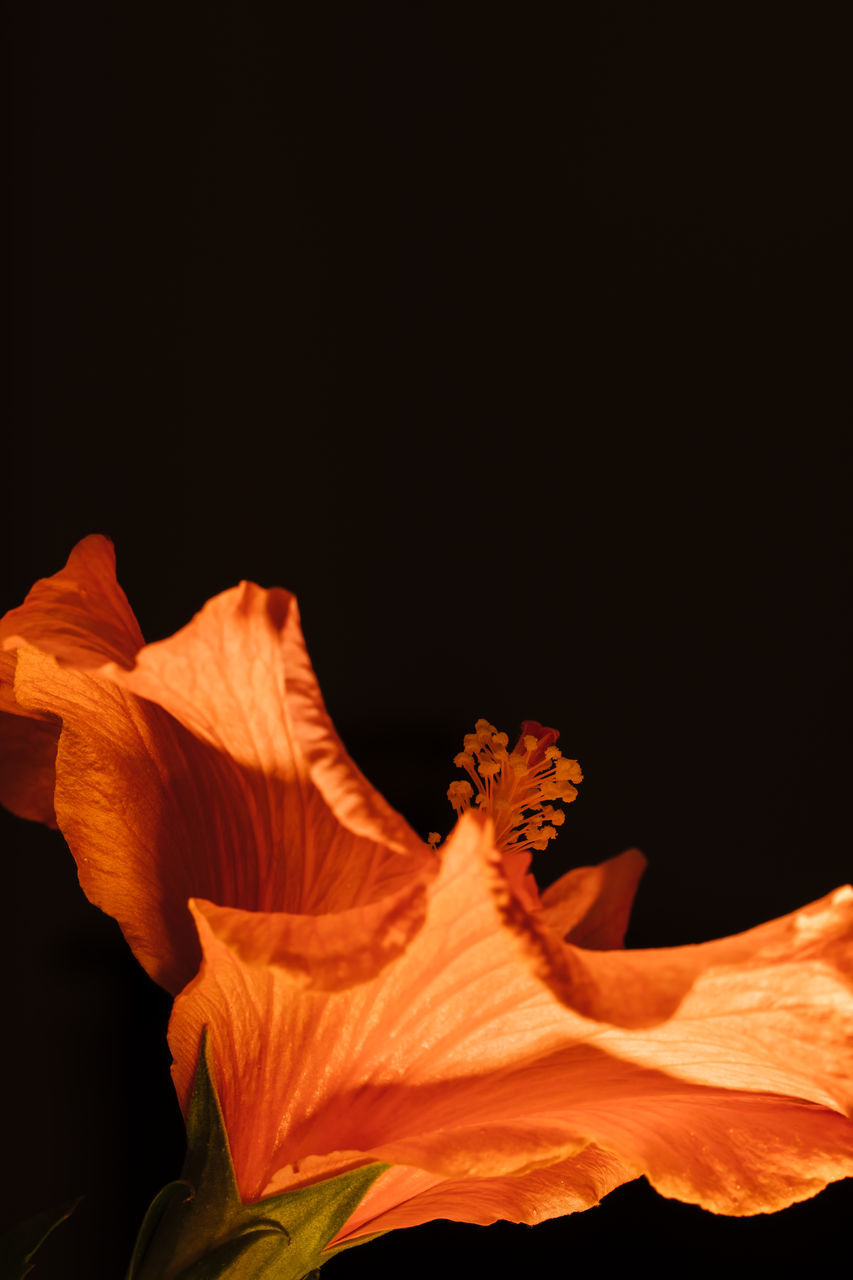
(27, 765)
(82, 617)
(590, 906)
(80, 614)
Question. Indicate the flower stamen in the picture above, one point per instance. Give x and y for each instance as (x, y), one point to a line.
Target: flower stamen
(515, 788)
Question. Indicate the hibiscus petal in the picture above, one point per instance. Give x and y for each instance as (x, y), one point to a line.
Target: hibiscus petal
(407, 1197)
(770, 1009)
(27, 766)
(810, 950)
(458, 1059)
(238, 677)
(590, 906)
(80, 614)
(133, 800)
(82, 617)
(331, 952)
(734, 1153)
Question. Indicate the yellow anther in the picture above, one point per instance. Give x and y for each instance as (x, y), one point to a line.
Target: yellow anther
(530, 743)
(500, 740)
(464, 760)
(542, 838)
(488, 768)
(433, 838)
(459, 794)
(471, 741)
(483, 726)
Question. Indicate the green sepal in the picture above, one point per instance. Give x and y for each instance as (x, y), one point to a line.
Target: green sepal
(19, 1246)
(199, 1229)
(351, 1244)
(179, 1192)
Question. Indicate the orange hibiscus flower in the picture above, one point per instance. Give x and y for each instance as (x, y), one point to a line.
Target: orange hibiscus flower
(369, 998)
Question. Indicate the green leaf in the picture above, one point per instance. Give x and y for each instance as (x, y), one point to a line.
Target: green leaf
(19, 1246)
(200, 1229)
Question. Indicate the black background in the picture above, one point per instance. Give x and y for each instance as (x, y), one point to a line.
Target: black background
(516, 347)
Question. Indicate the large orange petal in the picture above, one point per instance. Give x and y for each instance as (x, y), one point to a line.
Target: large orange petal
(457, 1059)
(460, 994)
(729, 1151)
(212, 769)
(238, 678)
(82, 617)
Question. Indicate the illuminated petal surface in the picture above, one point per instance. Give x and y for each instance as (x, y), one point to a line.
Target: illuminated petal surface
(406, 1196)
(459, 1059)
